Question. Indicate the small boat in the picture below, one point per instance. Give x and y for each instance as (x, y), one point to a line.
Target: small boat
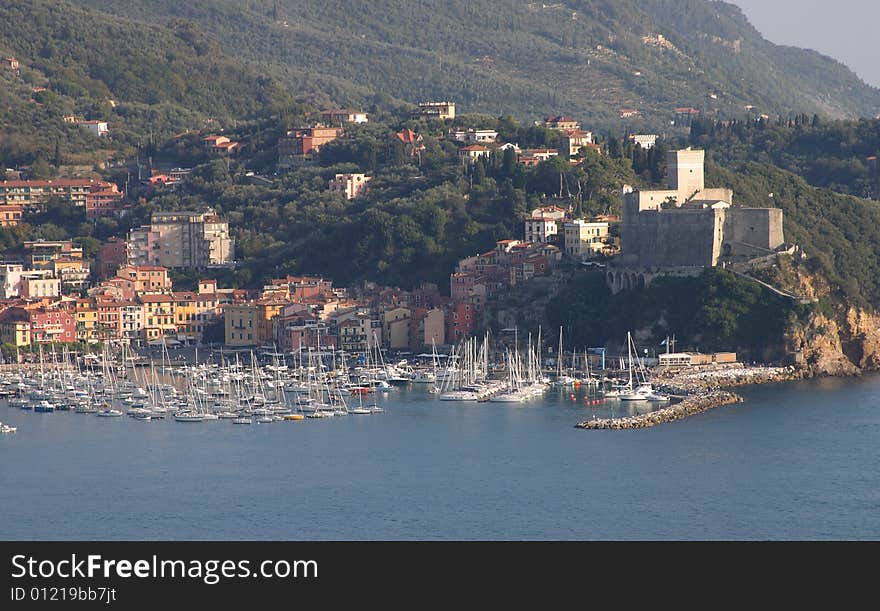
(5, 428)
(360, 410)
(210, 416)
(187, 416)
(265, 419)
(142, 416)
(242, 420)
(295, 417)
(109, 413)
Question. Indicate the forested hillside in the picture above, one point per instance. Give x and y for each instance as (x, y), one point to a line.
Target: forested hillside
(584, 57)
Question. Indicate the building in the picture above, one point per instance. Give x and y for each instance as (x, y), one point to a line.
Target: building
(15, 327)
(585, 239)
(303, 144)
(340, 117)
(158, 316)
(427, 328)
(146, 278)
(39, 254)
(188, 240)
(628, 113)
(250, 324)
(690, 359)
(535, 156)
(474, 136)
(469, 154)
(549, 212)
(220, 145)
(97, 128)
(74, 274)
(413, 142)
(691, 226)
(646, 141)
(540, 229)
(193, 312)
(685, 114)
(86, 320)
(10, 215)
(436, 110)
(52, 325)
(33, 194)
(9, 62)
(350, 185)
(111, 256)
(561, 122)
(575, 140)
(103, 199)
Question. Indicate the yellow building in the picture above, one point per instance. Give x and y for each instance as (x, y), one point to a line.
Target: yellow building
(193, 312)
(251, 324)
(158, 316)
(86, 320)
(15, 327)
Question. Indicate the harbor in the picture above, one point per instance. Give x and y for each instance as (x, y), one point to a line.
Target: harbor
(270, 387)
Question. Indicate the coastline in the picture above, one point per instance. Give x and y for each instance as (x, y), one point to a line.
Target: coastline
(702, 388)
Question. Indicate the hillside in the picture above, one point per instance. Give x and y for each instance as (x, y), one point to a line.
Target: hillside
(148, 81)
(589, 58)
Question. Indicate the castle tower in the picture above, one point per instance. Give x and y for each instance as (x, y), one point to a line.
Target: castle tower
(685, 171)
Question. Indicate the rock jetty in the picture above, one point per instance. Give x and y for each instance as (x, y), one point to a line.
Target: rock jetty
(693, 380)
(694, 404)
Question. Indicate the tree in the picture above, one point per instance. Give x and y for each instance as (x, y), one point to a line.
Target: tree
(41, 170)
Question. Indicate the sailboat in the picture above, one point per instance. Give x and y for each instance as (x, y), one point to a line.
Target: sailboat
(561, 380)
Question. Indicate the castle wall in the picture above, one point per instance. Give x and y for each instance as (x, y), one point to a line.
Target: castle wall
(751, 231)
(673, 238)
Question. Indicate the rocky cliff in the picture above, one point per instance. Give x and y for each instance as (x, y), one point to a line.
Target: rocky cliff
(838, 340)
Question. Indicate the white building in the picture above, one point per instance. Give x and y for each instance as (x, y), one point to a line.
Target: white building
(474, 136)
(15, 281)
(646, 141)
(540, 229)
(98, 128)
(349, 185)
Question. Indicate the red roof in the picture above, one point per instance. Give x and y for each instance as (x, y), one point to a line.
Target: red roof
(475, 147)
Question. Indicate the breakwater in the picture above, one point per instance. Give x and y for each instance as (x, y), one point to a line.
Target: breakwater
(694, 380)
(689, 406)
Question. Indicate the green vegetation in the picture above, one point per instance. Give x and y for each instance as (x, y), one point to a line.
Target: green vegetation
(415, 222)
(839, 155)
(714, 311)
(147, 81)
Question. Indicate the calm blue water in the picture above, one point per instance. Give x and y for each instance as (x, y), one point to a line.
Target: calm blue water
(796, 461)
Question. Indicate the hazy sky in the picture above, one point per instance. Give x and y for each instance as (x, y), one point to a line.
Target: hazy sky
(842, 29)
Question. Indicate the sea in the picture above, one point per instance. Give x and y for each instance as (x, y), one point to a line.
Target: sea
(796, 461)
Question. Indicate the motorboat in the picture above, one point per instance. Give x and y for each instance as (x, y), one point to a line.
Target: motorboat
(109, 413)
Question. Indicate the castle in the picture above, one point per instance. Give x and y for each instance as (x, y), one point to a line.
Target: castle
(689, 227)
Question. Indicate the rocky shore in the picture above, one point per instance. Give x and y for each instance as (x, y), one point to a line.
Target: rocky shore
(695, 404)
